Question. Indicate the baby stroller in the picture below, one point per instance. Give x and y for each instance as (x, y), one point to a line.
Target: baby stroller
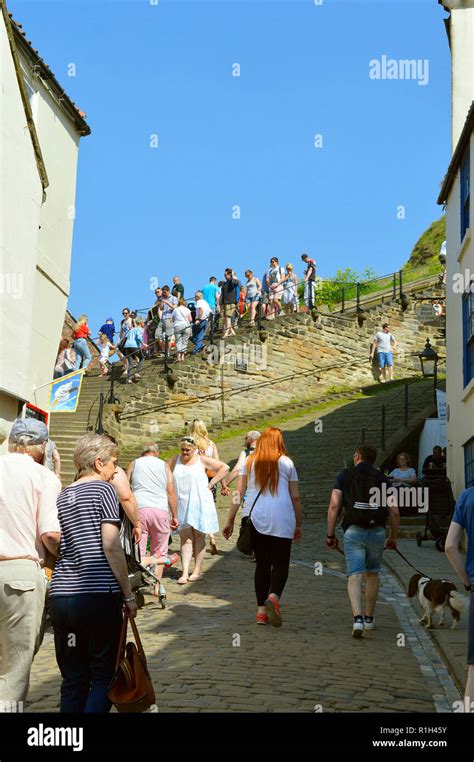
(440, 510)
(141, 578)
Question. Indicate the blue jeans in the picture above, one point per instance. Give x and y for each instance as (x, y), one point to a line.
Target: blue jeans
(199, 329)
(83, 356)
(86, 639)
(363, 549)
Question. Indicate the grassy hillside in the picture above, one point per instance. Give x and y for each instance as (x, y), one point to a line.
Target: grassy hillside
(427, 248)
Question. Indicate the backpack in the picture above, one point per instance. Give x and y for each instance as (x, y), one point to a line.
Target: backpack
(360, 510)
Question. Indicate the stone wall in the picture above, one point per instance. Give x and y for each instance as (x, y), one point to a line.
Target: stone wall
(300, 358)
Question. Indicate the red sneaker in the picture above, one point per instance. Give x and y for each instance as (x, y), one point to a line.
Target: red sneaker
(273, 610)
(262, 618)
(172, 559)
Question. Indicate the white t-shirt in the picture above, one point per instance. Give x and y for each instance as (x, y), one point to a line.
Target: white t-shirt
(384, 341)
(28, 508)
(149, 481)
(273, 514)
(206, 310)
(181, 316)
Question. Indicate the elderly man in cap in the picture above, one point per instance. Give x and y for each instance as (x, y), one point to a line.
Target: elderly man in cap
(29, 529)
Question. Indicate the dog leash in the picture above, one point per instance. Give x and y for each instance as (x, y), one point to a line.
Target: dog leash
(408, 562)
(399, 553)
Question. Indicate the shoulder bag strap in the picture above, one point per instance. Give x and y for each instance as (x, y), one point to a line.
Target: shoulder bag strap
(122, 643)
(253, 505)
(137, 639)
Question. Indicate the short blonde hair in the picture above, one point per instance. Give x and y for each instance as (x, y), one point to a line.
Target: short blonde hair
(89, 448)
(289, 267)
(82, 319)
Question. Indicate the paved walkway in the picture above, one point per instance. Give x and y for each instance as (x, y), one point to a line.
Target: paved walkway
(206, 653)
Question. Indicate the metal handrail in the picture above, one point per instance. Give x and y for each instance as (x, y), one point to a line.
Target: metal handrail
(249, 387)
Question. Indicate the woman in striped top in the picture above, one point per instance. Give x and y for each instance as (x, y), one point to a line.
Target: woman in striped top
(90, 590)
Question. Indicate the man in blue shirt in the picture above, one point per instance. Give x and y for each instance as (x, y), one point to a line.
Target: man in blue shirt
(463, 520)
(210, 294)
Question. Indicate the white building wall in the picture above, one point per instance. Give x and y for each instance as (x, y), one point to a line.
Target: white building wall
(35, 234)
(462, 62)
(460, 261)
(59, 145)
(20, 212)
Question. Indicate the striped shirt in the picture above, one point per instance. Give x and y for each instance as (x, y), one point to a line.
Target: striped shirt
(82, 566)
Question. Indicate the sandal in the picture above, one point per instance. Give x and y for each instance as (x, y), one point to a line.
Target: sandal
(183, 580)
(194, 577)
(213, 548)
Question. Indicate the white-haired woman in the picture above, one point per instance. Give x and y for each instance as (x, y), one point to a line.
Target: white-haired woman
(90, 590)
(197, 515)
(205, 446)
(80, 335)
(153, 487)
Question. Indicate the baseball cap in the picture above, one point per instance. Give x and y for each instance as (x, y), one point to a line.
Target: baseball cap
(37, 431)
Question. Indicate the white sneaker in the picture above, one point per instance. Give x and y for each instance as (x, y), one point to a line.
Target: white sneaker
(358, 627)
(369, 623)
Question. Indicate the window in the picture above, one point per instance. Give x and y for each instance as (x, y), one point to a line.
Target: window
(468, 333)
(465, 193)
(469, 464)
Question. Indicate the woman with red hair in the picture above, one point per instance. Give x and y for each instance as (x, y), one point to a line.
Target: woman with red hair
(269, 482)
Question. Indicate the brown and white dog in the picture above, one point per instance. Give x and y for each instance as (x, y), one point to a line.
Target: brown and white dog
(437, 595)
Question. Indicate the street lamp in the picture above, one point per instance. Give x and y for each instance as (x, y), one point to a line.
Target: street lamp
(429, 363)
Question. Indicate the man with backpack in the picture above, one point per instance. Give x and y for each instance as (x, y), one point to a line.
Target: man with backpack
(366, 510)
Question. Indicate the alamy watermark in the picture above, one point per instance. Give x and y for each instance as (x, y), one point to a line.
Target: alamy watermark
(417, 69)
(241, 355)
(402, 496)
(11, 284)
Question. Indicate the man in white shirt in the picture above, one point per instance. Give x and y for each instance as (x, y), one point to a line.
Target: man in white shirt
(203, 312)
(29, 530)
(384, 343)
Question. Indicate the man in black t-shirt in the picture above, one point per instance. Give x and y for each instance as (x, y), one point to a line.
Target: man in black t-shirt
(362, 492)
(435, 463)
(228, 300)
(178, 288)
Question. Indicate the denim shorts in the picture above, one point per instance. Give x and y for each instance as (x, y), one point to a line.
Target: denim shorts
(385, 359)
(363, 549)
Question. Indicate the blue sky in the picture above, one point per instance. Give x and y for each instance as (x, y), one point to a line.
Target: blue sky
(166, 69)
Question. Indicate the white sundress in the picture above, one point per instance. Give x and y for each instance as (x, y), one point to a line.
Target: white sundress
(196, 506)
(289, 291)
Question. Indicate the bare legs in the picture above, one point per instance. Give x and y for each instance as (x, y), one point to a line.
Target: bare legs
(193, 543)
(354, 588)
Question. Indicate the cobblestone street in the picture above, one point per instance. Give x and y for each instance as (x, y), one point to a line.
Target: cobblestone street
(206, 654)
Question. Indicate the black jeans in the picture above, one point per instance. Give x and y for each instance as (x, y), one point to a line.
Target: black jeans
(273, 562)
(86, 639)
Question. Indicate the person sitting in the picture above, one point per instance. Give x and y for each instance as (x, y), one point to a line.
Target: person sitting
(403, 475)
(434, 463)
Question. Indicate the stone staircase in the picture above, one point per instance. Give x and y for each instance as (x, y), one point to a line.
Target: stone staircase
(311, 363)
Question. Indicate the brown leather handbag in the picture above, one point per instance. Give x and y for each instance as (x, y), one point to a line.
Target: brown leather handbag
(131, 689)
